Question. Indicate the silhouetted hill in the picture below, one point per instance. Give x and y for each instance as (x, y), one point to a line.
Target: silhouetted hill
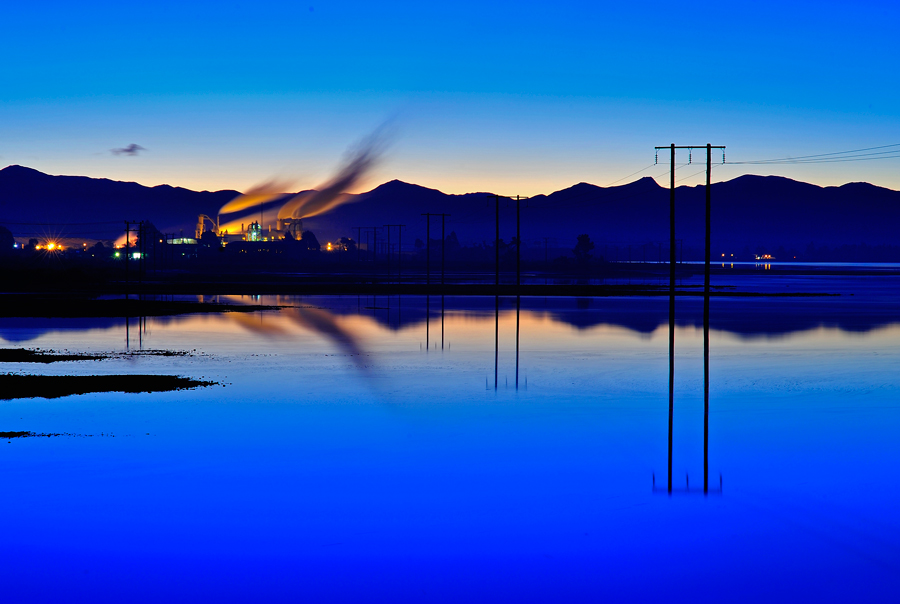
(750, 213)
(30, 196)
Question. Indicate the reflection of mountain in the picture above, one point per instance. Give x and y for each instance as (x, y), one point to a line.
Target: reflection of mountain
(22, 330)
(741, 316)
(95, 207)
(18, 329)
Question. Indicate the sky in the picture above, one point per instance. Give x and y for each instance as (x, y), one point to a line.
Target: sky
(507, 97)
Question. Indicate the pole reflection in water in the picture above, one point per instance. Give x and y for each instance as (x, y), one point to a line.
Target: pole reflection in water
(496, 337)
(671, 369)
(706, 490)
(706, 384)
(442, 319)
(518, 311)
(427, 322)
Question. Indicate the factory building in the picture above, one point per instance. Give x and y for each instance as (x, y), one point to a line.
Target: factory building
(285, 228)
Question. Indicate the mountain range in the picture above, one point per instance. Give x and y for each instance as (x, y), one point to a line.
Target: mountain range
(748, 213)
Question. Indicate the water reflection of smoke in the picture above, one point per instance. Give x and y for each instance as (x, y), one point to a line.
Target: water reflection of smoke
(254, 324)
(315, 320)
(323, 323)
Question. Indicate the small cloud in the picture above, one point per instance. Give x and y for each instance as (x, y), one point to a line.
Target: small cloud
(131, 149)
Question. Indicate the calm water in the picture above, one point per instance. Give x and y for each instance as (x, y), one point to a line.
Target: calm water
(347, 458)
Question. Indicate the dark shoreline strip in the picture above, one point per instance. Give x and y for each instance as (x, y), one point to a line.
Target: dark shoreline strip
(13, 386)
(24, 355)
(26, 434)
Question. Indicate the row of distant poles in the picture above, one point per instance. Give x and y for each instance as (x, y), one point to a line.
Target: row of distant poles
(690, 149)
(443, 216)
(497, 198)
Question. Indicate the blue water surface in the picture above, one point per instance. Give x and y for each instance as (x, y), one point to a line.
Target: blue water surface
(344, 457)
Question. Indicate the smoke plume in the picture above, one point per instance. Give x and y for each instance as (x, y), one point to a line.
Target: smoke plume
(261, 193)
(359, 162)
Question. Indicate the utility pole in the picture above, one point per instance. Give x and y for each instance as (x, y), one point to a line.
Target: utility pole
(518, 244)
(358, 237)
(399, 259)
(428, 216)
(427, 248)
(142, 240)
(128, 231)
(443, 250)
(388, 227)
(374, 245)
(672, 244)
(497, 241)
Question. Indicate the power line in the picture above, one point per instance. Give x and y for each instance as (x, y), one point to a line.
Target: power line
(834, 160)
(835, 156)
(630, 175)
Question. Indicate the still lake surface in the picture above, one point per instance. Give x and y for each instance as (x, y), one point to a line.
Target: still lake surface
(345, 457)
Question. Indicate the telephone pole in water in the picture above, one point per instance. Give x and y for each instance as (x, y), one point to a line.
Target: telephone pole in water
(672, 244)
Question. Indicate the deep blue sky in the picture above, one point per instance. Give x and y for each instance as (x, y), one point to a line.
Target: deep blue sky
(512, 97)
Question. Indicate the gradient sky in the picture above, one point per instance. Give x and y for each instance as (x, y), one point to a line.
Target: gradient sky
(510, 97)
